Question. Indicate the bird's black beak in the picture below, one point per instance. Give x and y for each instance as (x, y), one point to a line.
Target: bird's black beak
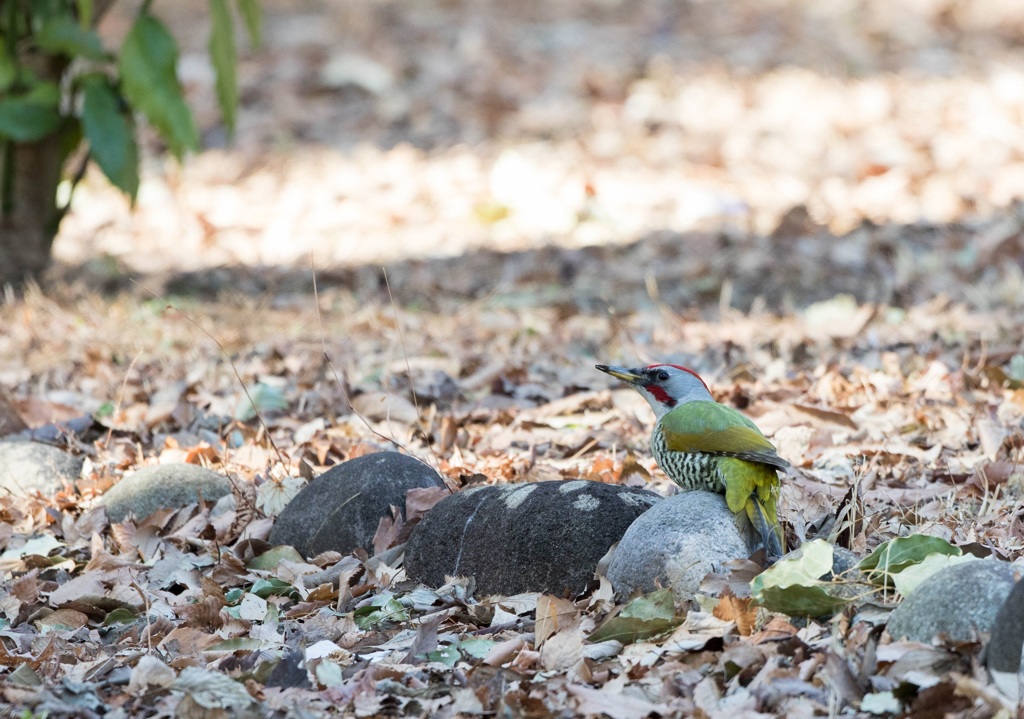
(623, 373)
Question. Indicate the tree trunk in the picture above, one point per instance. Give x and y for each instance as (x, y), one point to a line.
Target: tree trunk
(28, 213)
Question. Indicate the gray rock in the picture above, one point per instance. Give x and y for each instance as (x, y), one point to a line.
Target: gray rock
(844, 565)
(541, 537)
(341, 509)
(846, 580)
(676, 544)
(959, 602)
(162, 486)
(1002, 655)
(32, 466)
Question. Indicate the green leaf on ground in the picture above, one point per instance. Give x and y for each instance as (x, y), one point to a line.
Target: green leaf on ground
(794, 586)
(644, 617)
(896, 555)
(272, 557)
(476, 648)
(237, 644)
(384, 609)
(907, 580)
(448, 655)
(263, 588)
(148, 68)
(261, 398)
(121, 615)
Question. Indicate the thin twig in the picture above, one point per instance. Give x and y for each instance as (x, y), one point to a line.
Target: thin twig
(330, 364)
(252, 402)
(408, 367)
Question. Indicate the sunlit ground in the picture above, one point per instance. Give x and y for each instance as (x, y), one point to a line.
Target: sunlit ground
(371, 133)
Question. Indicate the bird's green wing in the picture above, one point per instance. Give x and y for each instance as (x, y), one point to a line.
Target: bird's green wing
(717, 429)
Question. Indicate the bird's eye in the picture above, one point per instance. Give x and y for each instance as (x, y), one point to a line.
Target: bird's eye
(663, 376)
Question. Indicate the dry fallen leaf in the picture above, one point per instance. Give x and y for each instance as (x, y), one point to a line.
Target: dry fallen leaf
(733, 609)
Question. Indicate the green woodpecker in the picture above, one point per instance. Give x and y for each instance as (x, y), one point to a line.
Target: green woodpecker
(701, 444)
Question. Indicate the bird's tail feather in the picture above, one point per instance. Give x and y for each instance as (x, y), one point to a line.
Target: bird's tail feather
(767, 527)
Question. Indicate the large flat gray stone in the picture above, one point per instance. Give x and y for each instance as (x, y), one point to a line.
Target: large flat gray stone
(341, 509)
(542, 537)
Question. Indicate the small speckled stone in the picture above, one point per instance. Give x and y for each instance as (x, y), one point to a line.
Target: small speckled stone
(543, 537)
(27, 467)
(162, 486)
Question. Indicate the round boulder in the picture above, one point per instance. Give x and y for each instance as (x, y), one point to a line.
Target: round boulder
(958, 602)
(540, 537)
(27, 467)
(676, 544)
(341, 509)
(1002, 656)
(162, 486)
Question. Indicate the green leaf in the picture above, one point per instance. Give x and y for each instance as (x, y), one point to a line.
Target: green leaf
(121, 615)
(24, 121)
(898, 554)
(111, 135)
(476, 648)
(383, 609)
(8, 70)
(31, 116)
(794, 587)
(263, 588)
(265, 397)
(237, 644)
(252, 14)
(644, 617)
(225, 60)
(448, 655)
(43, 93)
(272, 557)
(85, 10)
(907, 580)
(63, 36)
(148, 63)
(800, 600)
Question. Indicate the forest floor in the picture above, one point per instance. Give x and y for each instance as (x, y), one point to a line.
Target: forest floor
(811, 203)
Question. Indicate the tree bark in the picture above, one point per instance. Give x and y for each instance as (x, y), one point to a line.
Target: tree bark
(29, 175)
(29, 217)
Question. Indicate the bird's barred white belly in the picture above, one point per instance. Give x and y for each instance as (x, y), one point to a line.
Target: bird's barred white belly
(690, 470)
